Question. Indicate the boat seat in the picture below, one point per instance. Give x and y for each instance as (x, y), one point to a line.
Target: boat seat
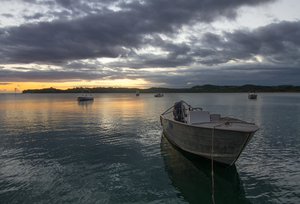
(199, 117)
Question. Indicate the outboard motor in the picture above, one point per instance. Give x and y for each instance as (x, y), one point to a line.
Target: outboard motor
(179, 111)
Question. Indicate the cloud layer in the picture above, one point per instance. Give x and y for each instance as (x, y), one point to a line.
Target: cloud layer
(106, 33)
(160, 34)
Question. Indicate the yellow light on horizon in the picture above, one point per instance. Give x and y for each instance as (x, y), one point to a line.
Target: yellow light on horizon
(10, 87)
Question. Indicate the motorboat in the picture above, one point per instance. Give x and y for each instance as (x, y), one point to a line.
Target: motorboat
(159, 95)
(221, 139)
(85, 98)
(252, 96)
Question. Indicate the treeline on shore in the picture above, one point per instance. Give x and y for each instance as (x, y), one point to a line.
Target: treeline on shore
(195, 89)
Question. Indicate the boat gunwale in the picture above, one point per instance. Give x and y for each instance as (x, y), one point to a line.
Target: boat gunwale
(210, 128)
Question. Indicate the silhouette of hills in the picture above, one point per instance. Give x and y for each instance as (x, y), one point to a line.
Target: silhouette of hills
(207, 88)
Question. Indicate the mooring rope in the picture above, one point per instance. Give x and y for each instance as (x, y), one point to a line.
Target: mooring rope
(212, 159)
(212, 167)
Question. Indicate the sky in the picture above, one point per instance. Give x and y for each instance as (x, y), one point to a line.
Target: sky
(148, 43)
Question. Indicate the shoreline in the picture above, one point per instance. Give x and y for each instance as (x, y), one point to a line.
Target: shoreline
(195, 89)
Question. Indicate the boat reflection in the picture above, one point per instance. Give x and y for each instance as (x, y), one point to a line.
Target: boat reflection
(85, 104)
(191, 176)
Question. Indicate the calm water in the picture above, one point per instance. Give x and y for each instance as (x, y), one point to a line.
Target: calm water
(56, 150)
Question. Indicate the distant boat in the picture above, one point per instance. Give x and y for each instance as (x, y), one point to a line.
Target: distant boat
(252, 96)
(85, 98)
(211, 136)
(159, 95)
(137, 93)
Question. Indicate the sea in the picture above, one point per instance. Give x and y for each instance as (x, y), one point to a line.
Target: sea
(54, 149)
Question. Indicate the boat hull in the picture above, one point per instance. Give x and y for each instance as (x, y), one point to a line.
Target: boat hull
(227, 144)
(85, 98)
(252, 96)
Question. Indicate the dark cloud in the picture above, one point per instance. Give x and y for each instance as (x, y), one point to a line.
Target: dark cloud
(35, 16)
(232, 75)
(49, 76)
(121, 29)
(7, 15)
(107, 33)
(77, 65)
(278, 43)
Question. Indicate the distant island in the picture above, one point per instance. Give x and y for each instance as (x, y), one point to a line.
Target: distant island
(195, 89)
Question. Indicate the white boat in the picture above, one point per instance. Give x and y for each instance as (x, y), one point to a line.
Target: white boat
(252, 96)
(159, 95)
(85, 98)
(137, 93)
(211, 136)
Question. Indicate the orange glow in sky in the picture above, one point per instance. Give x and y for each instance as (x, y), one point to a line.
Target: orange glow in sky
(10, 87)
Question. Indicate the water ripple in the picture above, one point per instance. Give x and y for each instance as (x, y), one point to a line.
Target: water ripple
(55, 150)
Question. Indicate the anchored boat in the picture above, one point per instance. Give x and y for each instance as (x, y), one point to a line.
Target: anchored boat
(252, 96)
(159, 95)
(211, 136)
(85, 98)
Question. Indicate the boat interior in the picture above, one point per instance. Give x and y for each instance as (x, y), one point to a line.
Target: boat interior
(201, 118)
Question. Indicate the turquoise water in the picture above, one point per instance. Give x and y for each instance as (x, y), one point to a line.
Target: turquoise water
(56, 150)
